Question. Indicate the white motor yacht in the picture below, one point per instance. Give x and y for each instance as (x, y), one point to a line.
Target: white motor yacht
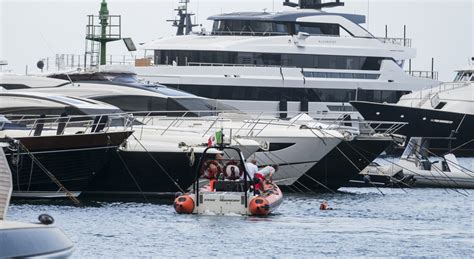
(300, 60)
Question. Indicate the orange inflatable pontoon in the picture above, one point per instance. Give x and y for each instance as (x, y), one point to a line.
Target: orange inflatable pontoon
(228, 189)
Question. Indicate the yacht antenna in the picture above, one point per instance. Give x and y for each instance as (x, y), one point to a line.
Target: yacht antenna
(313, 4)
(183, 19)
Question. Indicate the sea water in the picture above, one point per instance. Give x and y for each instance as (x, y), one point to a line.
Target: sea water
(364, 222)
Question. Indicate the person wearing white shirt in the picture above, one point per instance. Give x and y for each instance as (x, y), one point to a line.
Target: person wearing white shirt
(251, 168)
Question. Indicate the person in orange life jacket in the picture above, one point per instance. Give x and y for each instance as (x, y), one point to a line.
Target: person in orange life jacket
(213, 169)
(324, 206)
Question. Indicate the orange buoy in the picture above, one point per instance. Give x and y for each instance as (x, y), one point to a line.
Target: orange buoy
(259, 206)
(184, 204)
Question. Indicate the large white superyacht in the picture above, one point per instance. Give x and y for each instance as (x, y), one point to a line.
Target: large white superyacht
(286, 62)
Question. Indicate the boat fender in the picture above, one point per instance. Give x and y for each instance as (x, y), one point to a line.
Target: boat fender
(177, 194)
(259, 206)
(184, 204)
(45, 219)
(348, 136)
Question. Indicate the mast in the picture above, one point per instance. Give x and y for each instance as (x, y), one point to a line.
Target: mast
(183, 21)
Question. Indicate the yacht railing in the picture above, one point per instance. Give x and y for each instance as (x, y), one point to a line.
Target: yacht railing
(83, 124)
(207, 64)
(452, 85)
(73, 61)
(406, 42)
(252, 124)
(255, 122)
(424, 74)
(427, 94)
(248, 33)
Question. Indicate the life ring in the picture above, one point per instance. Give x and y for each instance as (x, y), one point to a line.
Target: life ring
(232, 171)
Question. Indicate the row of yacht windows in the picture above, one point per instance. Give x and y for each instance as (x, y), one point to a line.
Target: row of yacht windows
(290, 94)
(270, 28)
(191, 57)
(341, 75)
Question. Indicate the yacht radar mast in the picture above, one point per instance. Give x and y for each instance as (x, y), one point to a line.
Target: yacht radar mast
(183, 19)
(312, 4)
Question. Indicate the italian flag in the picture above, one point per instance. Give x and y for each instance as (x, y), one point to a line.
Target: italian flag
(215, 139)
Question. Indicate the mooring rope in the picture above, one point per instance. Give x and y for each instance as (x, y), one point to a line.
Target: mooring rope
(51, 176)
(159, 165)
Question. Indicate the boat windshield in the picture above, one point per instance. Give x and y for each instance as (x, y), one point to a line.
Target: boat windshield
(169, 91)
(121, 78)
(464, 76)
(275, 28)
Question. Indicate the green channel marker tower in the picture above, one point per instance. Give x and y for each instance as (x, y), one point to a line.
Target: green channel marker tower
(100, 30)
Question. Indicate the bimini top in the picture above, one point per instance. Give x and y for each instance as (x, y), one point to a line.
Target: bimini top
(291, 16)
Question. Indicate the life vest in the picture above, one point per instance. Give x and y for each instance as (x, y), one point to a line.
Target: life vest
(267, 173)
(212, 170)
(259, 185)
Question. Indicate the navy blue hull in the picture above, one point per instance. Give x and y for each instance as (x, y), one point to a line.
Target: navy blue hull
(341, 165)
(142, 175)
(73, 160)
(428, 123)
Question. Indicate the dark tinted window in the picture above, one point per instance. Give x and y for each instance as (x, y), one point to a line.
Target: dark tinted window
(318, 28)
(271, 28)
(135, 103)
(202, 58)
(246, 27)
(291, 94)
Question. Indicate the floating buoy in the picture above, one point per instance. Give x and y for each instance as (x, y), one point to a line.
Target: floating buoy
(184, 204)
(45, 219)
(259, 206)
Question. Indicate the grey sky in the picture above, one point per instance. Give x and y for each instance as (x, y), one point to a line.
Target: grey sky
(32, 29)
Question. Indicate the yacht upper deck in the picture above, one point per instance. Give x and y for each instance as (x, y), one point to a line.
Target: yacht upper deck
(289, 16)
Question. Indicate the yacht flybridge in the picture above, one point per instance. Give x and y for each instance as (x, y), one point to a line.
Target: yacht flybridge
(299, 60)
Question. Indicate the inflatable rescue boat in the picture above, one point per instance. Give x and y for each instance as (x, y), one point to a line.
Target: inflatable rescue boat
(223, 186)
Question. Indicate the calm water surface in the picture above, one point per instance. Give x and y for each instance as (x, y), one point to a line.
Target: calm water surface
(364, 222)
(413, 222)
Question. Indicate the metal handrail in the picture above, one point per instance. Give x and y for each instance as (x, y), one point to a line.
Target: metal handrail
(250, 121)
(406, 42)
(424, 74)
(54, 122)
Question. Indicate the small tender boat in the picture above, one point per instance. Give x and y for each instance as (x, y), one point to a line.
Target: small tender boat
(416, 169)
(228, 188)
